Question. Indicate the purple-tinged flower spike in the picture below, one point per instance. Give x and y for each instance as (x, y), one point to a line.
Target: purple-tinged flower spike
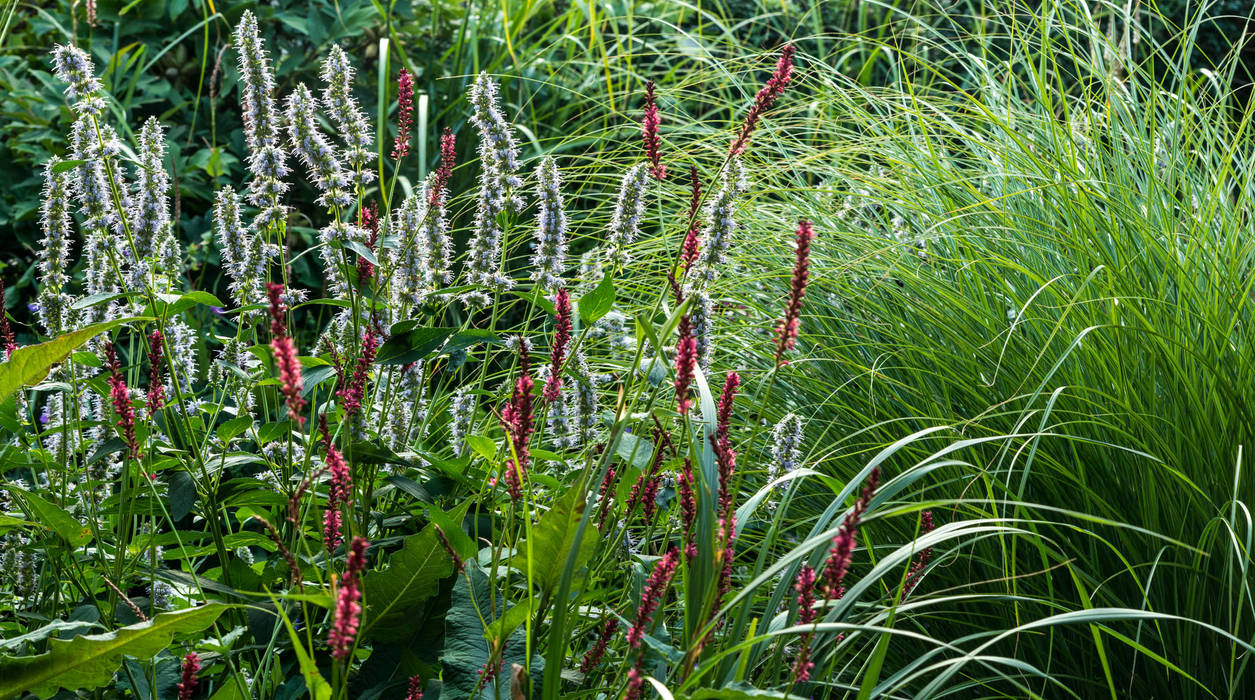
(922, 559)
(593, 658)
(187, 676)
(315, 151)
(424, 258)
(74, 68)
(766, 97)
(7, 341)
(498, 185)
(722, 442)
(156, 386)
(693, 239)
(351, 394)
(720, 224)
(267, 161)
(245, 257)
(517, 419)
(551, 226)
(337, 75)
(152, 232)
(448, 155)
(786, 448)
(348, 611)
(787, 327)
(651, 598)
(461, 416)
(685, 363)
(842, 552)
(102, 226)
(285, 353)
(121, 401)
(649, 134)
(405, 114)
(629, 208)
(339, 491)
(605, 497)
(54, 251)
(688, 509)
(805, 587)
(557, 352)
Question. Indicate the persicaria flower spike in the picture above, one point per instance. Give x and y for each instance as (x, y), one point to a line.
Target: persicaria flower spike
(6, 331)
(921, 562)
(156, 388)
(448, 155)
(340, 490)
(348, 612)
(649, 134)
(351, 394)
(285, 353)
(121, 401)
(187, 676)
(765, 99)
(722, 440)
(655, 590)
(842, 552)
(593, 658)
(517, 419)
(805, 587)
(685, 364)
(693, 239)
(787, 328)
(415, 691)
(405, 114)
(561, 336)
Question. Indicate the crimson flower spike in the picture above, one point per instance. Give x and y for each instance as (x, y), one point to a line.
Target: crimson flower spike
(368, 219)
(121, 401)
(405, 114)
(765, 99)
(156, 389)
(685, 363)
(649, 134)
(187, 676)
(448, 155)
(339, 492)
(348, 612)
(415, 689)
(285, 353)
(6, 331)
(692, 240)
(805, 587)
(842, 552)
(516, 418)
(561, 336)
(351, 394)
(787, 327)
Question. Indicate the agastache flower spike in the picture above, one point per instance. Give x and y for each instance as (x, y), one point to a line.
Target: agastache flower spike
(649, 134)
(498, 158)
(262, 124)
(462, 413)
(285, 354)
(187, 676)
(244, 256)
(766, 97)
(121, 401)
(74, 68)
(337, 75)
(156, 388)
(702, 316)
(315, 151)
(405, 114)
(842, 552)
(151, 229)
(348, 612)
(720, 224)
(54, 250)
(629, 208)
(340, 490)
(551, 226)
(561, 336)
(787, 328)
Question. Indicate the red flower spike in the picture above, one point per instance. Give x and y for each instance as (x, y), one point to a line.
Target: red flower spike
(285, 353)
(348, 611)
(787, 327)
(561, 336)
(405, 114)
(842, 552)
(156, 389)
(187, 676)
(685, 363)
(765, 99)
(121, 401)
(649, 134)
(448, 155)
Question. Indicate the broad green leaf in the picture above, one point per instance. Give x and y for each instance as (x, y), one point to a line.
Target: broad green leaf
(409, 486)
(452, 529)
(482, 446)
(42, 633)
(413, 575)
(182, 494)
(89, 661)
(553, 538)
(319, 688)
(66, 165)
(411, 345)
(234, 428)
(466, 650)
(598, 302)
(54, 518)
(29, 365)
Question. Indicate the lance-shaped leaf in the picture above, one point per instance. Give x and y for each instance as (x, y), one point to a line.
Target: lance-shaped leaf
(89, 661)
(553, 538)
(52, 517)
(29, 365)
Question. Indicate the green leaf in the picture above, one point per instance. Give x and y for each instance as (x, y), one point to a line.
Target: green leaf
(466, 650)
(462, 543)
(362, 250)
(63, 166)
(483, 446)
(234, 428)
(319, 688)
(634, 450)
(409, 486)
(54, 518)
(42, 633)
(553, 538)
(396, 593)
(411, 345)
(29, 365)
(89, 661)
(182, 494)
(598, 302)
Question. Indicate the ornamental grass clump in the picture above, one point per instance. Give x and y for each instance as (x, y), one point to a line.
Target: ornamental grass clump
(517, 443)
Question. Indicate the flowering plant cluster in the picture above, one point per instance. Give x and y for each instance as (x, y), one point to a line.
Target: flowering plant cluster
(488, 468)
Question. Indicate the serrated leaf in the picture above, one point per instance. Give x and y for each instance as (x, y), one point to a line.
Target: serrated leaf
(413, 575)
(553, 538)
(54, 518)
(597, 302)
(89, 661)
(29, 365)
